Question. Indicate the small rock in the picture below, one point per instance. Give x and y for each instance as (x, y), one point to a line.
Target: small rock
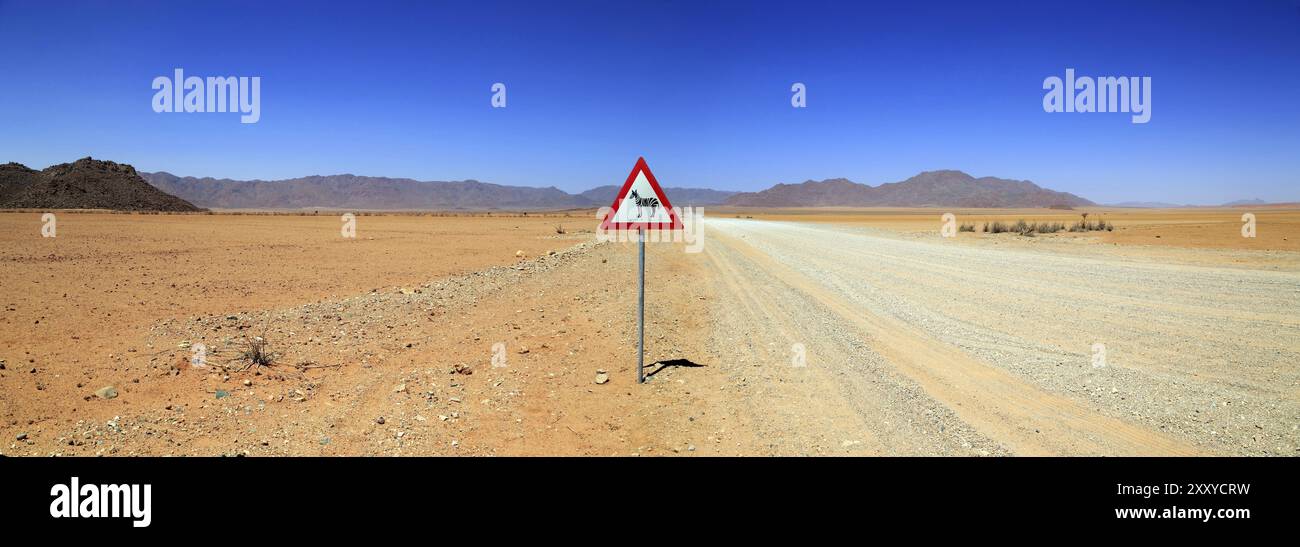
(519, 254)
(401, 388)
(106, 392)
(222, 394)
(22, 436)
(248, 382)
(602, 378)
(379, 420)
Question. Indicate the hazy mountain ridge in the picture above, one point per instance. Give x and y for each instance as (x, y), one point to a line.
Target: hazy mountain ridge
(384, 193)
(1162, 205)
(98, 184)
(680, 197)
(361, 192)
(946, 188)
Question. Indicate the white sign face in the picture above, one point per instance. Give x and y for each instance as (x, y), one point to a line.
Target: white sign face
(641, 204)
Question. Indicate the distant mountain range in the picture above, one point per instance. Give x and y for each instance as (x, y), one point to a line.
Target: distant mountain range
(98, 184)
(1163, 205)
(680, 197)
(1146, 205)
(1245, 202)
(382, 193)
(83, 184)
(358, 192)
(931, 188)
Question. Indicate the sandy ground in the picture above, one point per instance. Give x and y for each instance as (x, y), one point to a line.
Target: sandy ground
(848, 332)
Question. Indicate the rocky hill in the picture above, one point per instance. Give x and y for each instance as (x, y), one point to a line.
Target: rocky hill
(84, 184)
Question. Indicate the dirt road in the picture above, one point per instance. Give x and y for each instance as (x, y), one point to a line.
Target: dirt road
(941, 346)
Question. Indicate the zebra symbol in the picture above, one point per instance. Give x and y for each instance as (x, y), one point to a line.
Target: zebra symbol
(641, 203)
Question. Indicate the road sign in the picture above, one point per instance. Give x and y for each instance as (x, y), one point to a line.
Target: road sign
(641, 205)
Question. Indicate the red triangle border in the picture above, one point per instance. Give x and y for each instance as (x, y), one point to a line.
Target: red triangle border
(641, 166)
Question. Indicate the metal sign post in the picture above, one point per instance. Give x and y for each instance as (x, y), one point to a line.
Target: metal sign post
(640, 310)
(641, 205)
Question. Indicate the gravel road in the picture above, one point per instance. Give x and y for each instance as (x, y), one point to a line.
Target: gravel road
(951, 346)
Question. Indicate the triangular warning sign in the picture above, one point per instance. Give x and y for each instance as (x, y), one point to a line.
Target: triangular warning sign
(641, 204)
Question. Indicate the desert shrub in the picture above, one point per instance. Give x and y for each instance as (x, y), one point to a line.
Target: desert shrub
(1049, 227)
(256, 353)
(1085, 225)
(966, 228)
(1026, 228)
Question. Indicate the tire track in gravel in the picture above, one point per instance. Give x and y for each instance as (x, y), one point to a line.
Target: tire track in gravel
(998, 404)
(800, 396)
(846, 399)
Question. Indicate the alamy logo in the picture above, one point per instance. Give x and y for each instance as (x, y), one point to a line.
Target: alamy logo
(1101, 94)
(220, 94)
(102, 501)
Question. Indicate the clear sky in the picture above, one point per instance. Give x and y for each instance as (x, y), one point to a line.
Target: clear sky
(700, 88)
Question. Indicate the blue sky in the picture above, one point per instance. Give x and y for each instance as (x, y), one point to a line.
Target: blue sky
(701, 89)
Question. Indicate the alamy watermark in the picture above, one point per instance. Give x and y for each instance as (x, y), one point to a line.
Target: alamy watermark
(1100, 94)
(499, 355)
(349, 228)
(199, 356)
(692, 232)
(214, 94)
(949, 226)
(49, 225)
(1099, 355)
(498, 95)
(76, 500)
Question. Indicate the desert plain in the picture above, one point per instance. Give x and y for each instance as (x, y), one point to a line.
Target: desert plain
(793, 332)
